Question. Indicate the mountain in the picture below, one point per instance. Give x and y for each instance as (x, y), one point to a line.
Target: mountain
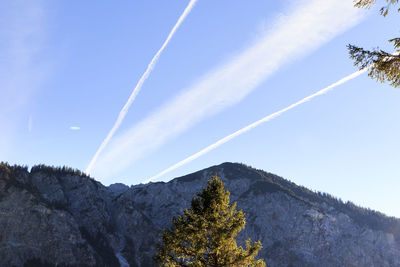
(60, 216)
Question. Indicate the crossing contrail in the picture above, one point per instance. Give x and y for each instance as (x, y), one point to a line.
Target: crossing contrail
(139, 85)
(296, 32)
(257, 123)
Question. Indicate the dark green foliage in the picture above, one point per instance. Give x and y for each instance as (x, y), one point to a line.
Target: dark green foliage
(8, 171)
(5, 167)
(51, 170)
(205, 234)
(383, 66)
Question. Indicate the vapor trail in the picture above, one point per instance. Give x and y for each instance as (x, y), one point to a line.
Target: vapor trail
(139, 85)
(257, 123)
(306, 24)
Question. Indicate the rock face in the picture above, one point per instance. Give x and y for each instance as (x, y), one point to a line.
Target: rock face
(59, 216)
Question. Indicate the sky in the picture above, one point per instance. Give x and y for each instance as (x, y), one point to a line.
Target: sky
(68, 68)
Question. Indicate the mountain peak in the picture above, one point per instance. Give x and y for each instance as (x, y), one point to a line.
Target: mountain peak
(88, 222)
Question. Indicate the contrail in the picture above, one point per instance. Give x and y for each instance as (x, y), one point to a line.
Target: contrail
(139, 85)
(257, 123)
(306, 24)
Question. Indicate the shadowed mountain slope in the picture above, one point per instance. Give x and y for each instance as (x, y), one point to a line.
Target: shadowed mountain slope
(60, 216)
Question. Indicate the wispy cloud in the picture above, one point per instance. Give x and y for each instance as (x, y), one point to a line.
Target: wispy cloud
(21, 35)
(303, 29)
(256, 124)
(74, 128)
(139, 85)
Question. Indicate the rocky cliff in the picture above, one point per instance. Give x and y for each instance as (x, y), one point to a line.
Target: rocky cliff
(52, 216)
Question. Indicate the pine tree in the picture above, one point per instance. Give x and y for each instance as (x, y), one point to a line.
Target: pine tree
(205, 234)
(384, 66)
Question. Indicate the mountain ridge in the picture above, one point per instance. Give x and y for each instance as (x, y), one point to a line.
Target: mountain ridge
(112, 225)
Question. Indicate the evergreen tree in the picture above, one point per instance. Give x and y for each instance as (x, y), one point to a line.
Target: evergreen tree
(205, 234)
(384, 66)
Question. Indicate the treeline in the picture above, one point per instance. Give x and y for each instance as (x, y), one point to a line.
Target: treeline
(11, 169)
(19, 177)
(49, 170)
(362, 216)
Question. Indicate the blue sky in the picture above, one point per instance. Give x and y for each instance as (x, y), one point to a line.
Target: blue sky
(67, 69)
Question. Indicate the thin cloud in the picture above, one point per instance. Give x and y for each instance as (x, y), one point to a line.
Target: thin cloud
(74, 128)
(22, 35)
(294, 35)
(139, 85)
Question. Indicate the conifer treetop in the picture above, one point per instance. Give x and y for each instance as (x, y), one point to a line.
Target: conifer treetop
(205, 234)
